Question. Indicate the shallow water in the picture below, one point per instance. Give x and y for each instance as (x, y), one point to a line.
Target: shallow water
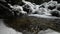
(6, 30)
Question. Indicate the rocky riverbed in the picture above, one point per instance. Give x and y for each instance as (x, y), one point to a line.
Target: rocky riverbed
(6, 30)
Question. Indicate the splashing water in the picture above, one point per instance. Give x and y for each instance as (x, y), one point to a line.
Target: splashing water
(34, 8)
(41, 11)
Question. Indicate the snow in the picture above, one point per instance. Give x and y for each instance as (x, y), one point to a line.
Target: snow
(48, 31)
(6, 30)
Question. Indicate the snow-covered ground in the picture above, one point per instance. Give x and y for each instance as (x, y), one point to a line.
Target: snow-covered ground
(48, 31)
(6, 30)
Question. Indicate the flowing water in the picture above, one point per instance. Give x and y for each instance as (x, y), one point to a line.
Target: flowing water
(6, 30)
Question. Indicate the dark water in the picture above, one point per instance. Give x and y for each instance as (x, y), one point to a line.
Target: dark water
(5, 30)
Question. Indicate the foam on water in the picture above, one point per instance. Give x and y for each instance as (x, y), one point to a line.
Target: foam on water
(35, 8)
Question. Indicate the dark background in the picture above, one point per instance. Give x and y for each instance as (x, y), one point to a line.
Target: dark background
(33, 1)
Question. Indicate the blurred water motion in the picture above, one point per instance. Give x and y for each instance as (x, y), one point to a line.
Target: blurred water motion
(46, 12)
